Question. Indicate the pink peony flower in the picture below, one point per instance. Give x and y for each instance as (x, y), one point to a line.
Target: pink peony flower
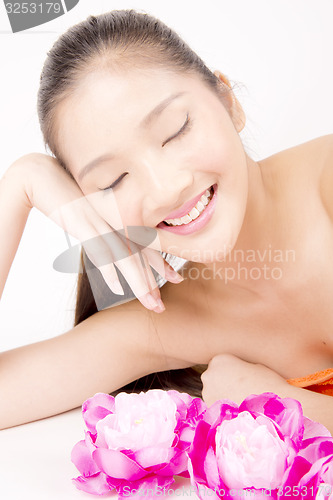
(263, 448)
(250, 453)
(135, 441)
(312, 469)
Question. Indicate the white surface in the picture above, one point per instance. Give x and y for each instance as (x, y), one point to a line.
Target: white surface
(280, 54)
(35, 461)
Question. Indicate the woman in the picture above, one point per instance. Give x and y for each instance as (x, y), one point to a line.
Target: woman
(150, 136)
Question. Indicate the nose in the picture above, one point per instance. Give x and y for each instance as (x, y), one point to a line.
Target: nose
(166, 189)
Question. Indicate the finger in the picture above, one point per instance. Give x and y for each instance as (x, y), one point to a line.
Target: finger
(99, 251)
(106, 206)
(107, 270)
(133, 264)
(138, 274)
(110, 276)
(160, 265)
(154, 289)
(141, 280)
(107, 246)
(103, 250)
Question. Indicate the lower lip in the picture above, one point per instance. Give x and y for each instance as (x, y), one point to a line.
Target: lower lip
(197, 223)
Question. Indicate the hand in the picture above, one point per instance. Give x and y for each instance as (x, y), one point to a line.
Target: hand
(49, 188)
(229, 377)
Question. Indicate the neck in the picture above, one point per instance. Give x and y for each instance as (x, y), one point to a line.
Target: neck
(253, 246)
(253, 232)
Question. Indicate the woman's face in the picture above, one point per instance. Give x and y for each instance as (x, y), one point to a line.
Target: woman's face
(168, 138)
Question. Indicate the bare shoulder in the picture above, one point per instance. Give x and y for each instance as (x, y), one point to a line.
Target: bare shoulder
(315, 156)
(325, 153)
(313, 153)
(310, 165)
(310, 156)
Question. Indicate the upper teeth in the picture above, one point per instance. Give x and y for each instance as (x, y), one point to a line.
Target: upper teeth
(194, 213)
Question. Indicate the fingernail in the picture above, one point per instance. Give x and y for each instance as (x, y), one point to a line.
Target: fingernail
(151, 302)
(160, 307)
(178, 278)
(175, 276)
(117, 288)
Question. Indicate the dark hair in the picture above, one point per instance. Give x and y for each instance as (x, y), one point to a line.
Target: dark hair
(117, 39)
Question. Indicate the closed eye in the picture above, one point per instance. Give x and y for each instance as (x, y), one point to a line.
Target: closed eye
(180, 132)
(186, 127)
(115, 182)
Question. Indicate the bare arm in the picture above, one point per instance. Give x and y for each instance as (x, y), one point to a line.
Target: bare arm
(14, 212)
(38, 180)
(103, 353)
(106, 351)
(228, 376)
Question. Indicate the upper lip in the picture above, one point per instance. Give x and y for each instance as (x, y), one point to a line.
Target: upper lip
(186, 208)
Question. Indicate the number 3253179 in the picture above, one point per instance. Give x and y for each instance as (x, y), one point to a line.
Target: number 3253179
(33, 8)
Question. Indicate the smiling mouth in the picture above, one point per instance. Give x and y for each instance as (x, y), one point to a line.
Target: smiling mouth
(194, 213)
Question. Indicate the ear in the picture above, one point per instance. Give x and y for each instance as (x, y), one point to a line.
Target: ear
(235, 109)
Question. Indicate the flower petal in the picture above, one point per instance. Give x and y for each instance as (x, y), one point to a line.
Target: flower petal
(117, 465)
(320, 455)
(178, 465)
(96, 408)
(96, 484)
(295, 473)
(198, 450)
(152, 456)
(203, 492)
(223, 409)
(183, 396)
(81, 458)
(314, 429)
(287, 413)
(211, 469)
(186, 435)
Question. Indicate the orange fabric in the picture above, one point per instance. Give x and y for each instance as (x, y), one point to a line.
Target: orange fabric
(321, 381)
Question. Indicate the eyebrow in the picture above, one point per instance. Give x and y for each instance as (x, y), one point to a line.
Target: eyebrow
(144, 123)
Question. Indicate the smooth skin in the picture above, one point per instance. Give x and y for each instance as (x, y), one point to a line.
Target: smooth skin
(256, 333)
(46, 186)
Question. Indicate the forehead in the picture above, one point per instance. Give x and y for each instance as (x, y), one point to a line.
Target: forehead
(108, 105)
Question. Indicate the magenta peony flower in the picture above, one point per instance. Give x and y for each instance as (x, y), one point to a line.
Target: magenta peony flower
(312, 469)
(135, 442)
(265, 448)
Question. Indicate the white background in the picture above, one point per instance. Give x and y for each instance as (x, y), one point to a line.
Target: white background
(279, 52)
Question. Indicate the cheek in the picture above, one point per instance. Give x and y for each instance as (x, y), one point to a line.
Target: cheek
(218, 150)
(129, 207)
(210, 157)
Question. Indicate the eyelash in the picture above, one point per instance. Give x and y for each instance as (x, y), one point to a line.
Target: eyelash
(115, 182)
(182, 131)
